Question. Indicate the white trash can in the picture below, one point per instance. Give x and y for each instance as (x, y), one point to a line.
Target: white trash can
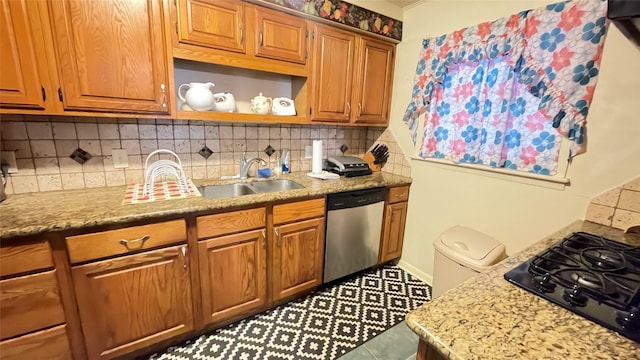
(461, 253)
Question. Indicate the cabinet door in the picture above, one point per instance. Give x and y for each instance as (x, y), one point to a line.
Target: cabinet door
(280, 36)
(111, 54)
(297, 257)
(20, 84)
(216, 24)
(233, 275)
(134, 301)
(395, 216)
(374, 83)
(334, 53)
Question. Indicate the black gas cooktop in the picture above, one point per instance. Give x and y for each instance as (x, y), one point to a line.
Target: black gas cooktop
(594, 277)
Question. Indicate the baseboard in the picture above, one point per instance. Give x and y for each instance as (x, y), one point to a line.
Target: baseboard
(416, 272)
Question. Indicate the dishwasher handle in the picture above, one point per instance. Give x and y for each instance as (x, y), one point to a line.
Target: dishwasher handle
(350, 199)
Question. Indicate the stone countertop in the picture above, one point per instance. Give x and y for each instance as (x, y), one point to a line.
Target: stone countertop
(487, 317)
(34, 213)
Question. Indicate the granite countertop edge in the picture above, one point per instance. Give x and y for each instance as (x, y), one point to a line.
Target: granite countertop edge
(488, 317)
(36, 213)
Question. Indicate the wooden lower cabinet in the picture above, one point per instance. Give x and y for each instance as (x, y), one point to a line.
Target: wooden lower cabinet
(395, 217)
(297, 257)
(130, 302)
(393, 231)
(29, 303)
(233, 275)
(50, 344)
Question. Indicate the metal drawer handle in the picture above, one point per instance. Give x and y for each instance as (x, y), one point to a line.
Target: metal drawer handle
(140, 240)
(164, 95)
(264, 238)
(185, 260)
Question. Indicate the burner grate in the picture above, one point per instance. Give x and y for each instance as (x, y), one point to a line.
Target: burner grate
(592, 276)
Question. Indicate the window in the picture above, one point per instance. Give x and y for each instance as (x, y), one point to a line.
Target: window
(504, 93)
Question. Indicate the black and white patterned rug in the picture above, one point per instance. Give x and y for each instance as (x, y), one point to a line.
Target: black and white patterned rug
(324, 325)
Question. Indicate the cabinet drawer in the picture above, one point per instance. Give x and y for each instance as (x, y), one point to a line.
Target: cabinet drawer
(22, 258)
(122, 241)
(51, 344)
(29, 303)
(396, 194)
(231, 222)
(298, 211)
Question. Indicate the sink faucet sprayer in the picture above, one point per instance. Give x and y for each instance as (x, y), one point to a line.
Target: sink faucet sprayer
(246, 164)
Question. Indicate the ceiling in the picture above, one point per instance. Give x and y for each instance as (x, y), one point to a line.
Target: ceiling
(402, 3)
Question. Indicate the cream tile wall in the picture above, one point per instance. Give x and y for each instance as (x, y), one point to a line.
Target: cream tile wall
(619, 207)
(43, 144)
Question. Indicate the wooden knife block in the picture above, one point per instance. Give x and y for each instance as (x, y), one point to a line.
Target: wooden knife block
(369, 158)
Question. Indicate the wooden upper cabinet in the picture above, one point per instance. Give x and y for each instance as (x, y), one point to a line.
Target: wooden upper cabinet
(131, 302)
(21, 82)
(334, 54)
(281, 36)
(112, 55)
(352, 78)
(374, 82)
(217, 24)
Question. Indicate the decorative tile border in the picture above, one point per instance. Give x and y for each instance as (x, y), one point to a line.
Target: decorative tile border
(346, 13)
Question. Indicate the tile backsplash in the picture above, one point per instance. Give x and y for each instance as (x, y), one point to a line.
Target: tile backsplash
(43, 145)
(619, 207)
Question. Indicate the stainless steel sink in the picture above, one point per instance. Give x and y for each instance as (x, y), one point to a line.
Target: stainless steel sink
(275, 185)
(224, 191)
(239, 189)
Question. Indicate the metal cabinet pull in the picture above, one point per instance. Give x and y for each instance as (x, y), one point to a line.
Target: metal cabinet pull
(141, 240)
(264, 238)
(275, 230)
(185, 260)
(241, 34)
(164, 95)
(359, 109)
(348, 108)
(261, 38)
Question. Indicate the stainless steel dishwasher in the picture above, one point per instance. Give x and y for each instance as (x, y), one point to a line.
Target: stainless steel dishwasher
(354, 225)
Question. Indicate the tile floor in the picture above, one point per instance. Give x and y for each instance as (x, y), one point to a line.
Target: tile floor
(397, 343)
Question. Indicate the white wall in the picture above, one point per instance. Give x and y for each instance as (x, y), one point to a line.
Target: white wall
(515, 213)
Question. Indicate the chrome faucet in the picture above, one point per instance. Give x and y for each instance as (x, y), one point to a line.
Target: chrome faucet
(246, 164)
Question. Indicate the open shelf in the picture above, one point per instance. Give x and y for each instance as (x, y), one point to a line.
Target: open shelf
(241, 117)
(243, 84)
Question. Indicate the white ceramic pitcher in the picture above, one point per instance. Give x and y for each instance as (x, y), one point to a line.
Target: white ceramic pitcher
(198, 96)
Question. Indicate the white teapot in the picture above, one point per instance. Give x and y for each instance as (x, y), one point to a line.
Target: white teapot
(261, 104)
(198, 95)
(224, 102)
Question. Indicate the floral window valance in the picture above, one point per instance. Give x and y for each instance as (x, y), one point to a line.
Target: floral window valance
(536, 69)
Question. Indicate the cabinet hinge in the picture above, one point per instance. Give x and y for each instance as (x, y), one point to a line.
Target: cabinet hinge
(60, 94)
(313, 34)
(44, 93)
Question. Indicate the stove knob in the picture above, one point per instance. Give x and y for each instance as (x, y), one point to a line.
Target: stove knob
(575, 297)
(629, 320)
(543, 283)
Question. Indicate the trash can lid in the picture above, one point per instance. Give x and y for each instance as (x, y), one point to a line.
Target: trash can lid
(470, 247)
